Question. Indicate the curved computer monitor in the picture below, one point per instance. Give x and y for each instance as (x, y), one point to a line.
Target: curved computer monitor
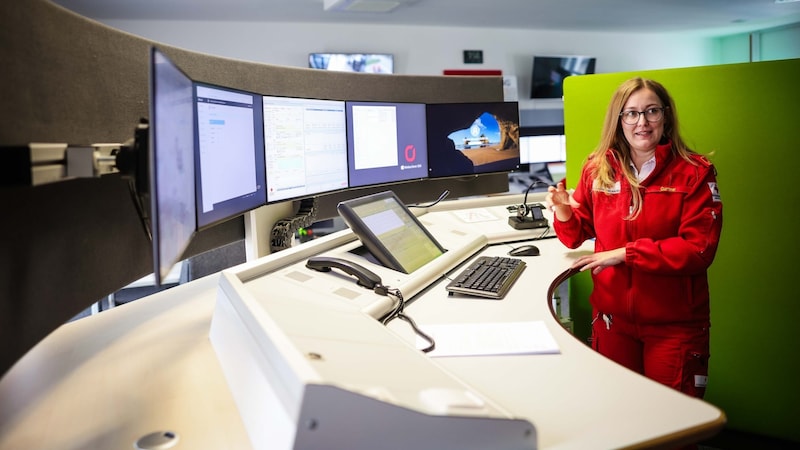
(229, 158)
(171, 162)
(386, 142)
(472, 138)
(305, 144)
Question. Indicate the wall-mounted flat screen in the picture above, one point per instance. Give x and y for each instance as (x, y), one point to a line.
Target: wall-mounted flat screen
(305, 144)
(171, 157)
(229, 159)
(549, 73)
(352, 62)
(472, 138)
(391, 232)
(386, 142)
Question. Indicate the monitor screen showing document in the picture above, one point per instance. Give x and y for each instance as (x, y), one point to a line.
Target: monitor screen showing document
(230, 156)
(305, 146)
(386, 142)
(171, 156)
(387, 228)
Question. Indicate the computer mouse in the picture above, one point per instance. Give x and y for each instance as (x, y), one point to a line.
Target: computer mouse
(524, 250)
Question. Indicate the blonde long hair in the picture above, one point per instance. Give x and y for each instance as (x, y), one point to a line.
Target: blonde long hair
(613, 139)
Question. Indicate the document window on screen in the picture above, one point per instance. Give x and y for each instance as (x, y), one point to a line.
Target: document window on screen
(386, 142)
(230, 164)
(305, 146)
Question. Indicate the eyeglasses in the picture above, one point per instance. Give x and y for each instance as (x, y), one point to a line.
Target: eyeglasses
(650, 114)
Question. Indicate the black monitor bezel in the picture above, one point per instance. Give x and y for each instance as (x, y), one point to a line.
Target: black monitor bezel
(242, 204)
(350, 142)
(369, 238)
(434, 172)
(307, 194)
(162, 265)
(544, 130)
(538, 81)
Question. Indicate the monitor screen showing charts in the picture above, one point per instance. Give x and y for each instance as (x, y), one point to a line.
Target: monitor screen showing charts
(386, 142)
(230, 153)
(305, 146)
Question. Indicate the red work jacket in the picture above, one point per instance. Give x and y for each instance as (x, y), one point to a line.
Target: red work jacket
(668, 247)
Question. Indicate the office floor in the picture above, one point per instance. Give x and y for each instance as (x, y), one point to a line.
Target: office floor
(739, 440)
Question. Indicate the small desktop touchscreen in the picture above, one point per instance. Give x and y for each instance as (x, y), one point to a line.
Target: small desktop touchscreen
(230, 153)
(305, 146)
(391, 232)
(386, 142)
(472, 138)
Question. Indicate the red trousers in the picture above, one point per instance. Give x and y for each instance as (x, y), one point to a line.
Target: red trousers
(674, 355)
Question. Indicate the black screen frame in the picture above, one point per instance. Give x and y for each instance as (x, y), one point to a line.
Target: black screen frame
(171, 234)
(271, 199)
(544, 130)
(232, 207)
(444, 157)
(371, 239)
(542, 84)
(390, 174)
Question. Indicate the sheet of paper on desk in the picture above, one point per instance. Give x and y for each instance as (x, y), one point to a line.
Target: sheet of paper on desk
(500, 338)
(475, 215)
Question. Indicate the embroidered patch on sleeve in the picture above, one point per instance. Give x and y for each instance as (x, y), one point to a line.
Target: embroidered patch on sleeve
(714, 192)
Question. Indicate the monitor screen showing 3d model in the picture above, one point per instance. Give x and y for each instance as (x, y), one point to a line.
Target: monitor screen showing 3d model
(387, 228)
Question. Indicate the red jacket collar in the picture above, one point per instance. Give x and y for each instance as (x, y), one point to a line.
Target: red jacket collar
(663, 157)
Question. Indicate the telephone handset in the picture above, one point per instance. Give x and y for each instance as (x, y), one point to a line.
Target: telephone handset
(365, 277)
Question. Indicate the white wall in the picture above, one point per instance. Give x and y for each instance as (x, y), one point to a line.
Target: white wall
(768, 45)
(430, 50)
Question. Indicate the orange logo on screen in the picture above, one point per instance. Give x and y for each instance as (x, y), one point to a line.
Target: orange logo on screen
(410, 153)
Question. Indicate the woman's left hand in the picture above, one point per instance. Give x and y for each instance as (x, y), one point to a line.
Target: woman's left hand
(596, 262)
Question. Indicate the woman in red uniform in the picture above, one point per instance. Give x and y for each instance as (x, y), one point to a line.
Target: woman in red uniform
(652, 206)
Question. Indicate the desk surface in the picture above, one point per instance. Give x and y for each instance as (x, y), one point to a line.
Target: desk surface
(146, 366)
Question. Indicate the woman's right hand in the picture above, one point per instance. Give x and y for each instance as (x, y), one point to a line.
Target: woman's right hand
(560, 201)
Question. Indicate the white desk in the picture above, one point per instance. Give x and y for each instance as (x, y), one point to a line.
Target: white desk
(107, 380)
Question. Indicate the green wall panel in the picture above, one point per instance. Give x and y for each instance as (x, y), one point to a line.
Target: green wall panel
(747, 118)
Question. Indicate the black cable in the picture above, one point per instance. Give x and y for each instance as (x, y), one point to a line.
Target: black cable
(441, 197)
(532, 185)
(398, 313)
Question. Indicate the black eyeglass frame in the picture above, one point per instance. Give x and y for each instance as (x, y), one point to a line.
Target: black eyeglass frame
(639, 114)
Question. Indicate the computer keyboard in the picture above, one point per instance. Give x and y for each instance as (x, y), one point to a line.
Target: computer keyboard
(488, 276)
